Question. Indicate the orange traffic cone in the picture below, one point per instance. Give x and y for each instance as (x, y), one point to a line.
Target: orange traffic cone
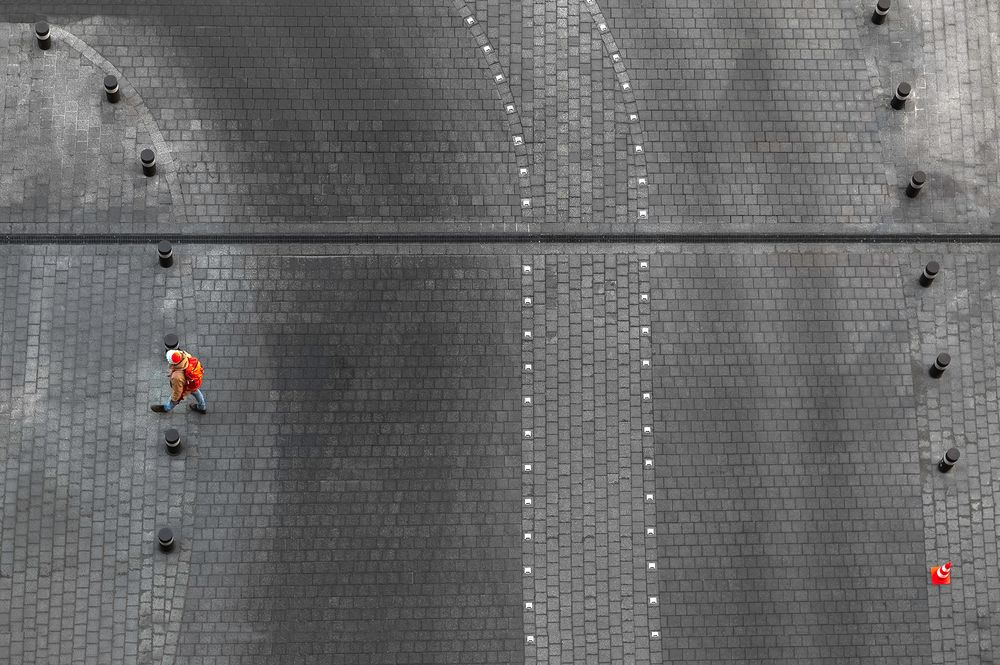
(941, 574)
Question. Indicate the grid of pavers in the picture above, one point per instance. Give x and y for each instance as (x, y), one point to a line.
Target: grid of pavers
(587, 162)
(306, 117)
(587, 433)
(70, 159)
(795, 432)
(84, 484)
(358, 482)
(949, 51)
(358, 492)
(957, 315)
(787, 466)
(294, 115)
(756, 113)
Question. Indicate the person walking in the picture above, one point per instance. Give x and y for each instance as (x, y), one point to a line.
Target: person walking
(185, 374)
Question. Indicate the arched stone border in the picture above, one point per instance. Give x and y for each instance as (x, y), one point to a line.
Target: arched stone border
(132, 101)
(639, 182)
(502, 82)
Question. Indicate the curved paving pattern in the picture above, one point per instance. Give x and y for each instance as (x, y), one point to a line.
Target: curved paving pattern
(71, 159)
(380, 119)
(757, 115)
(949, 130)
(704, 446)
(501, 79)
(574, 100)
(638, 182)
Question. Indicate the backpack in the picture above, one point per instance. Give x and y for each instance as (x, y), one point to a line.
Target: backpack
(193, 374)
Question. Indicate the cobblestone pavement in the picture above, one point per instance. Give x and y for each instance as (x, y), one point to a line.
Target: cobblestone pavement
(501, 452)
(731, 455)
(467, 115)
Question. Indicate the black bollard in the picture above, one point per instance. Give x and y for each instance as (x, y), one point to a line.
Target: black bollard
(173, 440)
(166, 253)
(881, 10)
(165, 537)
(930, 272)
(170, 342)
(43, 35)
(111, 88)
(917, 181)
(949, 460)
(148, 158)
(940, 365)
(903, 91)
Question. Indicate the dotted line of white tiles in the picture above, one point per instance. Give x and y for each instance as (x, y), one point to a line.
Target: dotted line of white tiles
(637, 150)
(648, 464)
(502, 83)
(531, 636)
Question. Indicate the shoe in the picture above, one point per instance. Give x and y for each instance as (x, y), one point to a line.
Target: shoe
(195, 407)
(157, 408)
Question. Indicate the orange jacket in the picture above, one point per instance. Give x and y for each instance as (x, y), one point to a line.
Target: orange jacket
(180, 387)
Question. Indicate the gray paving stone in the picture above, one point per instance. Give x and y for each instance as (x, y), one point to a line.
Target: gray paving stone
(585, 448)
(357, 486)
(790, 527)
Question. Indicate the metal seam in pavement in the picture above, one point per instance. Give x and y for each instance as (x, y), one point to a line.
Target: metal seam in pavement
(489, 238)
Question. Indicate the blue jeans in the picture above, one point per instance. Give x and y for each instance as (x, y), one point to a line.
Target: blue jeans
(198, 397)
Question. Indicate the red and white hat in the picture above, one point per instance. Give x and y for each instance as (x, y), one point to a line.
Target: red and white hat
(174, 356)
